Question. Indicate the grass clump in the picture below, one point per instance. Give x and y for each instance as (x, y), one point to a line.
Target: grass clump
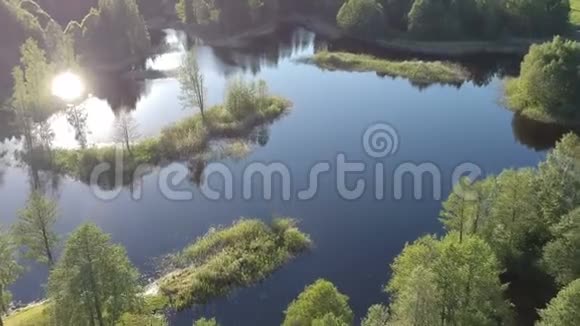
(240, 255)
(421, 72)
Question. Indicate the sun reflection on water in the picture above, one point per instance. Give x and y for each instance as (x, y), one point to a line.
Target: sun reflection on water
(68, 86)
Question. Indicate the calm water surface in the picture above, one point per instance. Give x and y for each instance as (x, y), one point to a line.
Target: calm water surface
(355, 241)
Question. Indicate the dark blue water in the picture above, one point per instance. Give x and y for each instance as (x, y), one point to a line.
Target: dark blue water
(354, 241)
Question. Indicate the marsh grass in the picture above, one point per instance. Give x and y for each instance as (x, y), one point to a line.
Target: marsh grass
(226, 258)
(248, 106)
(421, 72)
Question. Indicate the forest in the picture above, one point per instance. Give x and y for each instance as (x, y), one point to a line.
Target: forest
(519, 229)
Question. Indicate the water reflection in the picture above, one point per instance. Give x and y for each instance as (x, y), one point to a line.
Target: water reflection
(536, 135)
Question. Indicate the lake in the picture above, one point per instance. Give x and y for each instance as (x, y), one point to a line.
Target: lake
(354, 240)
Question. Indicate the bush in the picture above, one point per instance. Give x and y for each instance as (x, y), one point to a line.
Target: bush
(547, 88)
(319, 304)
(563, 309)
(430, 19)
(361, 17)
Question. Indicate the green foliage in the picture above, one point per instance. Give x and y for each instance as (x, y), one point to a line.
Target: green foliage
(420, 72)
(185, 138)
(114, 32)
(431, 19)
(562, 255)
(538, 17)
(575, 13)
(9, 269)
(449, 281)
(514, 211)
(563, 309)
(320, 304)
(94, 282)
(31, 81)
(377, 315)
(223, 259)
(191, 80)
(205, 322)
(361, 17)
(60, 47)
(547, 88)
(35, 228)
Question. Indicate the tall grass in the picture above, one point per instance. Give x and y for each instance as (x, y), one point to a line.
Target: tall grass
(239, 255)
(421, 72)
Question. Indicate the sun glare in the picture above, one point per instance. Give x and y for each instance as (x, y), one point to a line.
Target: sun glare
(68, 86)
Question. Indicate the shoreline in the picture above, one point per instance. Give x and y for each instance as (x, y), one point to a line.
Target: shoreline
(330, 31)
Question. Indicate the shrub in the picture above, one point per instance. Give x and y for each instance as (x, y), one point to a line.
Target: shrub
(362, 17)
(547, 88)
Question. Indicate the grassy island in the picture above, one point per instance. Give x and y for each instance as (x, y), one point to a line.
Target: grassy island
(247, 106)
(237, 256)
(421, 72)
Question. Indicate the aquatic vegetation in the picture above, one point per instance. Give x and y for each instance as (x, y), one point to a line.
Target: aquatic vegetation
(237, 256)
(238, 118)
(421, 72)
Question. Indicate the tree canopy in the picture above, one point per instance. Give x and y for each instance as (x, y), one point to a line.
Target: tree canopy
(94, 282)
(563, 309)
(562, 255)
(362, 17)
(319, 304)
(547, 88)
(35, 228)
(450, 281)
(9, 270)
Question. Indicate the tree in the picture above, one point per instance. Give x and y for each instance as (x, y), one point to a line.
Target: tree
(432, 19)
(562, 255)
(397, 12)
(77, 118)
(34, 229)
(498, 209)
(61, 48)
(193, 91)
(538, 17)
(447, 282)
(31, 97)
(315, 303)
(94, 283)
(547, 86)
(363, 17)
(9, 270)
(115, 31)
(126, 130)
(563, 309)
(377, 315)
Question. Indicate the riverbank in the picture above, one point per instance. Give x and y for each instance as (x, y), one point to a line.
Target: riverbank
(420, 72)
